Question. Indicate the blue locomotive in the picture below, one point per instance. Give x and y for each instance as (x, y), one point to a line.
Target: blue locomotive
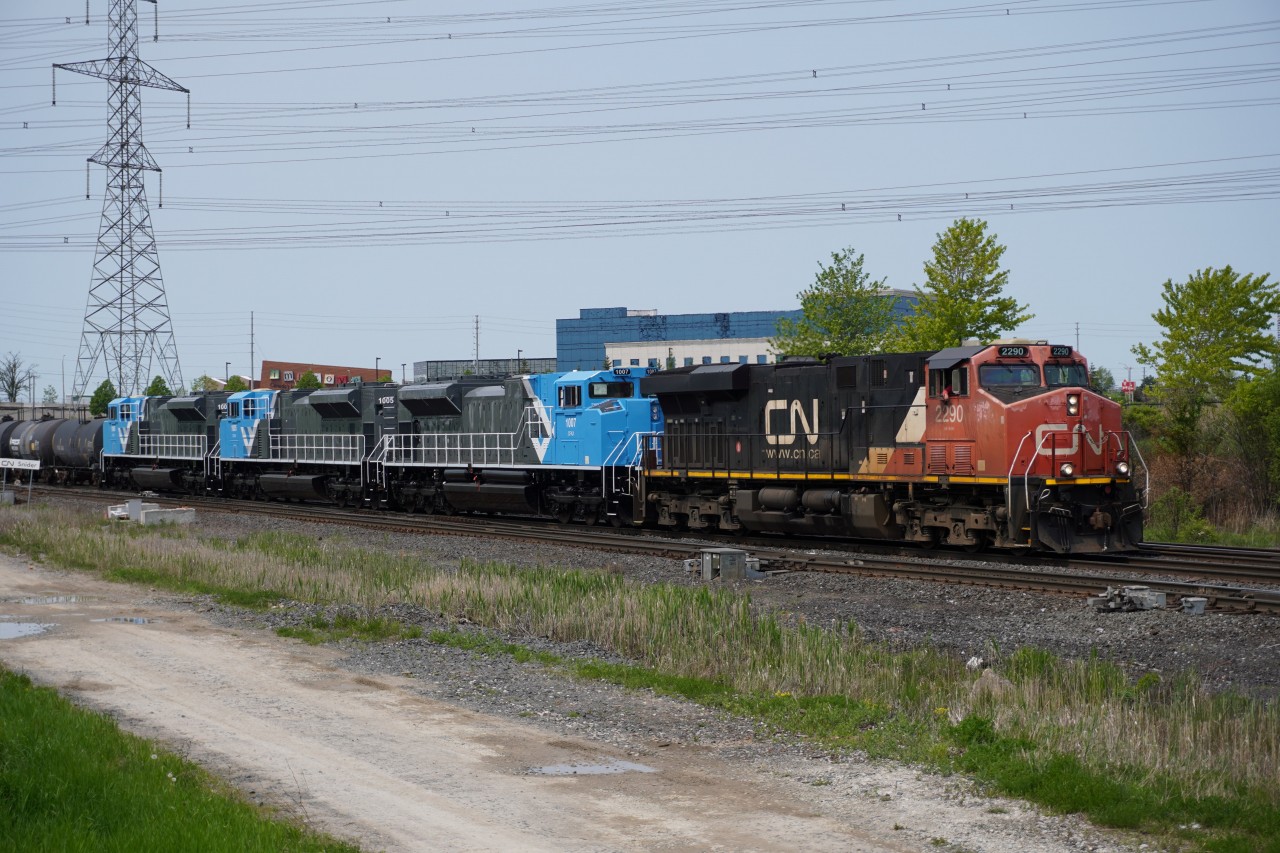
(564, 445)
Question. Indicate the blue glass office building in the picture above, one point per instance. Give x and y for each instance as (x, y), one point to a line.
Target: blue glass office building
(580, 342)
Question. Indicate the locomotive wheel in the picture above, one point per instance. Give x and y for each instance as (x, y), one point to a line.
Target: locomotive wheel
(564, 513)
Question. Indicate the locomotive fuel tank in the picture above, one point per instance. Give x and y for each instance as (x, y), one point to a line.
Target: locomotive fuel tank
(299, 487)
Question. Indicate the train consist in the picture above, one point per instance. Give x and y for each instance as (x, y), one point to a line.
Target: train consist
(1000, 445)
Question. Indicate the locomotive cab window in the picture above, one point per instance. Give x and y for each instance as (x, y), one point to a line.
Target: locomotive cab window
(954, 380)
(570, 396)
(603, 390)
(1066, 375)
(250, 407)
(1009, 376)
(235, 410)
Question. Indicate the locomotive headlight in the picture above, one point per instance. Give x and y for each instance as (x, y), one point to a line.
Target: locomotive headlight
(1073, 404)
(1122, 468)
(1067, 469)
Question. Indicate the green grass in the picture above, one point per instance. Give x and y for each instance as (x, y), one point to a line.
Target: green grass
(316, 630)
(1154, 753)
(70, 780)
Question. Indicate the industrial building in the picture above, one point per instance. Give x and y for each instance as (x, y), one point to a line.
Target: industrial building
(443, 370)
(583, 342)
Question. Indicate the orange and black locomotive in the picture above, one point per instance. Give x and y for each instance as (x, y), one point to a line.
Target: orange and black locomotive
(1003, 445)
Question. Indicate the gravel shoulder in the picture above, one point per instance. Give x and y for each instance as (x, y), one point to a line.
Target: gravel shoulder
(410, 746)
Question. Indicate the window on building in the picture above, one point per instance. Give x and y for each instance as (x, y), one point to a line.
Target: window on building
(688, 361)
(742, 359)
(635, 362)
(706, 359)
(653, 362)
(724, 359)
(762, 359)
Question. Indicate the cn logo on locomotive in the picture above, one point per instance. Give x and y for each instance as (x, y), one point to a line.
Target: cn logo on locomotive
(798, 419)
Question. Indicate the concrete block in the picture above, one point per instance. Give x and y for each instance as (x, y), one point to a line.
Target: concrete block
(1193, 605)
(176, 515)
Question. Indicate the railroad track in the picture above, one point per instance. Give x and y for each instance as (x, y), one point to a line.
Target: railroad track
(1041, 574)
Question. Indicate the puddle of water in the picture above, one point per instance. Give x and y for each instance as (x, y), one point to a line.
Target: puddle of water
(603, 768)
(13, 630)
(128, 620)
(52, 599)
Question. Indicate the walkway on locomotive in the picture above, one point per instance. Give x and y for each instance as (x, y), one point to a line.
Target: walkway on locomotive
(327, 426)
(163, 428)
(977, 414)
(552, 420)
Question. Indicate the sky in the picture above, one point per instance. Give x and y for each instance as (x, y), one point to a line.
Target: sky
(374, 180)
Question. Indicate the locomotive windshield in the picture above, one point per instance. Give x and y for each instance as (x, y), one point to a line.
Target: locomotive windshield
(1009, 376)
(602, 390)
(1069, 375)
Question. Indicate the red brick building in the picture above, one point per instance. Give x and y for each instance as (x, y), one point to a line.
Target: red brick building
(283, 375)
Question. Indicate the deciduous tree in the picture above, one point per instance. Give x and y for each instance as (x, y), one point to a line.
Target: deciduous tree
(1216, 328)
(102, 397)
(308, 382)
(845, 311)
(963, 296)
(15, 375)
(235, 383)
(1101, 378)
(204, 382)
(158, 388)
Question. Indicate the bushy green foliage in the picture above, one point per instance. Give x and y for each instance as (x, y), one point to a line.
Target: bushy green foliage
(1177, 517)
(1215, 327)
(1101, 378)
(158, 388)
(846, 312)
(102, 397)
(963, 293)
(1252, 431)
(308, 382)
(234, 384)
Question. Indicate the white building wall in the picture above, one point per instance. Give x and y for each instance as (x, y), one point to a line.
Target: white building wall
(718, 351)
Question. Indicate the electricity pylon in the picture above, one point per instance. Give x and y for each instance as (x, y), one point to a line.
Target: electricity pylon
(126, 321)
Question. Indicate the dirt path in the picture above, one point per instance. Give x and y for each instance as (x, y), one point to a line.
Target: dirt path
(367, 759)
